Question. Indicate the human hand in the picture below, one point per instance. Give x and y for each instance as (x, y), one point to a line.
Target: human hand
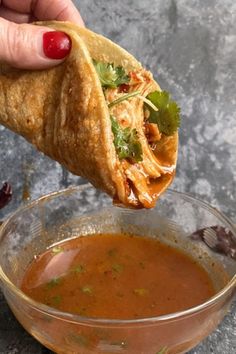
(26, 46)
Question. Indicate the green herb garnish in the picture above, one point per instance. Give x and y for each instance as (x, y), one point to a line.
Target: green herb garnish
(78, 269)
(57, 250)
(109, 75)
(123, 98)
(140, 291)
(53, 282)
(87, 289)
(126, 142)
(168, 115)
(56, 300)
(118, 268)
(162, 351)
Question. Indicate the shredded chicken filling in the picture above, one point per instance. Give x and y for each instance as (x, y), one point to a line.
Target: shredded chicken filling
(131, 113)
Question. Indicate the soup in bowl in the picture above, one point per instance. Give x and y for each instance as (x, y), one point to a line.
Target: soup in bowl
(84, 276)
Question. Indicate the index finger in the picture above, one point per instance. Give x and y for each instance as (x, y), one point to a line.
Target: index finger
(61, 10)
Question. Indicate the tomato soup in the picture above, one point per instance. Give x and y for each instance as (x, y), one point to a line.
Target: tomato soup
(117, 276)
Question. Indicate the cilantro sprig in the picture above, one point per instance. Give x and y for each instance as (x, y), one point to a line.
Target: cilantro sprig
(53, 282)
(167, 117)
(162, 351)
(110, 76)
(57, 249)
(126, 142)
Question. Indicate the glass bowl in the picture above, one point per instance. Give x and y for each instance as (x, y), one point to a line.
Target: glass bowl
(84, 211)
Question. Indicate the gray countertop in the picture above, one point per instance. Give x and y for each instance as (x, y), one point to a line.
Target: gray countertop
(190, 46)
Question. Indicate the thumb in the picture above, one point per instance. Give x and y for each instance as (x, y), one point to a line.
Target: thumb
(27, 46)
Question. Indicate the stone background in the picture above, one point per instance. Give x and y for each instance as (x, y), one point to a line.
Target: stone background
(190, 46)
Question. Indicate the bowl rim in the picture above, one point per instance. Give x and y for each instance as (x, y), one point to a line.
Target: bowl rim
(47, 310)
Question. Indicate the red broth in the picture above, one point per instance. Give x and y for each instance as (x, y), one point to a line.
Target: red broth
(117, 277)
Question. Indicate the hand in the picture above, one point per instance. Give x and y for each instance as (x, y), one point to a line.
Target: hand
(26, 46)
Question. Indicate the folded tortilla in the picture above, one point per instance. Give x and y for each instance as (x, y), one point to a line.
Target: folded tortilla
(64, 112)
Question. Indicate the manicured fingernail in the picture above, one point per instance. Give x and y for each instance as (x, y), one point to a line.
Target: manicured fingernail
(56, 45)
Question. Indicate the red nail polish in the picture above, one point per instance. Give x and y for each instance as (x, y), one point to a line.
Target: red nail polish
(56, 45)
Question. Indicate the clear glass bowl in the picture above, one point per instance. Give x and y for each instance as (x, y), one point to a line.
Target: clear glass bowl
(84, 210)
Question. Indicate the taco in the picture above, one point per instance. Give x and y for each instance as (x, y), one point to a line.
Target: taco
(100, 114)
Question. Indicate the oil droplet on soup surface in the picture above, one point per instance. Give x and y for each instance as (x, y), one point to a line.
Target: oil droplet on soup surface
(117, 277)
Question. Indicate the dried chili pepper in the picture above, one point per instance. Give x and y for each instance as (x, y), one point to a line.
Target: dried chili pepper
(5, 194)
(218, 238)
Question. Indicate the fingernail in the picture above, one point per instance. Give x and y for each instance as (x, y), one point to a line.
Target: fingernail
(56, 45)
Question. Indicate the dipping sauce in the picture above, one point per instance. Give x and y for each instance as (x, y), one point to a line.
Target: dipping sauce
(117, 276)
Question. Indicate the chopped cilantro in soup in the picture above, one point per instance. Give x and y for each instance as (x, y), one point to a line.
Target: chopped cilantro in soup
(116, 276)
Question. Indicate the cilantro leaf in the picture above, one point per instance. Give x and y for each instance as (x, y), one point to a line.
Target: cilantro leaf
(87, 289)
(109, 75)
(118, 268)
(57, 250)
(162, 351)
(126, 142)
(168, 115)
(141, 291)
(53, 282)
(56, 300)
